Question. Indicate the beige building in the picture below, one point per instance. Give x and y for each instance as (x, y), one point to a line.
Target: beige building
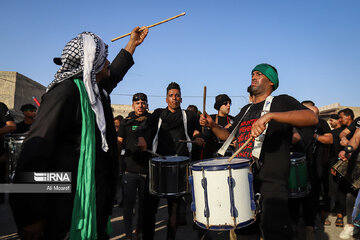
(334, 108)
(121, 109)
(17, 90)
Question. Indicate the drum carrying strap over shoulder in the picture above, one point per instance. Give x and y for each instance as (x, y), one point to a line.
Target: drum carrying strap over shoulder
(226, 144)
(260, 139)
(156, 138)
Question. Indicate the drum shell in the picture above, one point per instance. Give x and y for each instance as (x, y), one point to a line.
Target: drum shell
(217, 197)
(169, 177)
(298, 178)
(13, 144)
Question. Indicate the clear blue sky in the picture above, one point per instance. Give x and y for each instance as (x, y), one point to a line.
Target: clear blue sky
(315, 45)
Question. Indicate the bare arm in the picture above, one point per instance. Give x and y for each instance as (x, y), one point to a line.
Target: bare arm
(8, 128)
(343, 140)
(327, 138)
(297, 118)
(220, 132)
(354, 142)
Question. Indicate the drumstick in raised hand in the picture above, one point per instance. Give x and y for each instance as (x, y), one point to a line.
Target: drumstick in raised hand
(150, 26)
(240, 149)
(204, 106)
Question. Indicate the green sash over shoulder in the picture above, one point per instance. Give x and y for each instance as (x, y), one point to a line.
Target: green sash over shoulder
(83, 221)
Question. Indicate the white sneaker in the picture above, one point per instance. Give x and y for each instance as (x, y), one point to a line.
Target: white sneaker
(347, 232)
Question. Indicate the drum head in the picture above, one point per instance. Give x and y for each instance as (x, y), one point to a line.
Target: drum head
(213, 164)
(14, 137)
(170, 159)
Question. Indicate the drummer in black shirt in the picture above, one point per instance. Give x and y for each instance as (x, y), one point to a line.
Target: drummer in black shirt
(171, 141)
(29, 112)
(273, 165)
(135, 162)
(223, 119)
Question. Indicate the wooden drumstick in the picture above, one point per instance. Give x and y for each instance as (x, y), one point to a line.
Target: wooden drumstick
(150, 26)
(240, 149)
(204, 106)
(156, 154)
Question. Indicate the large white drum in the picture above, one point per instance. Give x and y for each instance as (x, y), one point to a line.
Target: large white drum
(223, 196)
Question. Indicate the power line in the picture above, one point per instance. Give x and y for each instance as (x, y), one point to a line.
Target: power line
(130, 95)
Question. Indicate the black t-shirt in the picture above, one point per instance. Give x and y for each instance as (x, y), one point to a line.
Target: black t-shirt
(22, 127)
(212, 142)
(320, 150)
(354, 125)
(136, 161)
(171, 131)
(336, 146)
(274, 157)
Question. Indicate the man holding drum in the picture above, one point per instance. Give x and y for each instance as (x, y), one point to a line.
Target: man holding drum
(172, 129)
(272, 162)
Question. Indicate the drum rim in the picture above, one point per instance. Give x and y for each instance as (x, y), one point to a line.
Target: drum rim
(223, 166)
(180, 159)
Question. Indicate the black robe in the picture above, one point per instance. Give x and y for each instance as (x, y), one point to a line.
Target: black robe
(53, 145)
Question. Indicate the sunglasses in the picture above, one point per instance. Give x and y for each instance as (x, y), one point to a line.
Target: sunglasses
(135, 99)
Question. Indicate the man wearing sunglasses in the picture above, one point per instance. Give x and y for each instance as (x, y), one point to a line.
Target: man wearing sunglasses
(135, 164)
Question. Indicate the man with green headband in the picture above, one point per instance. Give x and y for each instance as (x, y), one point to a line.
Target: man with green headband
(272, 163)
(74, 133)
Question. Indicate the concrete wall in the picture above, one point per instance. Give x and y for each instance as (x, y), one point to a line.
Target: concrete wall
(17, 90)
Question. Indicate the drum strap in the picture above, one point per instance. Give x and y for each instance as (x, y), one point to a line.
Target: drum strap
(260, 139)
(156, 138)
(226, 144)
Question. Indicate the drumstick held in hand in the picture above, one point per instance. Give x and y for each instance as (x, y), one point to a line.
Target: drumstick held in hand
(204, 106)
(150, 26)
(156, 154)
(240, 149)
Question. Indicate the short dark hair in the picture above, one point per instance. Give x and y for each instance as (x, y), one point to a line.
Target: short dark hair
(334, 116)
(173, 85)
(192, 108)
(27, 107)
(347, 112)
(119, 118)
(308, 102)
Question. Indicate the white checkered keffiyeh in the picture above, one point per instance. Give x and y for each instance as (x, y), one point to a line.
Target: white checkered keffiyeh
(83, 57)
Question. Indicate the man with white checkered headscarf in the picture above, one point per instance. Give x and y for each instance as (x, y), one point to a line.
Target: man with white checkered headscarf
(74, 132)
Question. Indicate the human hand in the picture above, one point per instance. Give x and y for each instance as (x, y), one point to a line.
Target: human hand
(142, 145)
(32, 232)
(344, 141)
(259, 126)
(199, 141)
(206, 120)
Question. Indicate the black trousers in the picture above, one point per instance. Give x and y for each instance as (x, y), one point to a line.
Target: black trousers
(133, 184)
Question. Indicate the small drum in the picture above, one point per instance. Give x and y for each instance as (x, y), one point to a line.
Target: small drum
(169, 177)
(13, 145)
(350, 171)
(223, 196)
(298, 181)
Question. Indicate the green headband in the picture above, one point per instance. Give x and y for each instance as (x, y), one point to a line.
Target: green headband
(269, 72)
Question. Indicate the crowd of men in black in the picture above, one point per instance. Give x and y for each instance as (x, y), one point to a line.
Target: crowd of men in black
(54, 140)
